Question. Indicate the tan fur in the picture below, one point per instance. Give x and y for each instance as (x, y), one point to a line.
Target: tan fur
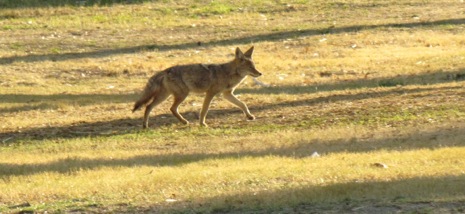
(210, 79)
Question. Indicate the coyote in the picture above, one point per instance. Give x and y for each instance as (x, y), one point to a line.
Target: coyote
(212, 79)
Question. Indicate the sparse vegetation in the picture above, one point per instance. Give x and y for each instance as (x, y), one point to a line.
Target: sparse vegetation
(365, 111)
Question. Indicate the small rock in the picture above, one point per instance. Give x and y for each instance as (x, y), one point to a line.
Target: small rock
(315, 155)
(380, 165)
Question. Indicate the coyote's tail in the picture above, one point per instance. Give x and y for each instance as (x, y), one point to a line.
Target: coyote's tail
(152, 87)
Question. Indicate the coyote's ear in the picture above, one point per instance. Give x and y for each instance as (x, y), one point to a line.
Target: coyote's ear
(249, 53)
(239, 54)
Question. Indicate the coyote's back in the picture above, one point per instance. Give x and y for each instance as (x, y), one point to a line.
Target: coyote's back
(210, 79)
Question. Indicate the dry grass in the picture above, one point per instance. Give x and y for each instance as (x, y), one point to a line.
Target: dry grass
(359, 82)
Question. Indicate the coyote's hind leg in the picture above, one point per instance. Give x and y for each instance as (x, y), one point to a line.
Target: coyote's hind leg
(160, 97)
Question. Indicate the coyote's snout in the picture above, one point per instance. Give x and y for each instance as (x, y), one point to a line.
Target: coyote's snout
(211, 79)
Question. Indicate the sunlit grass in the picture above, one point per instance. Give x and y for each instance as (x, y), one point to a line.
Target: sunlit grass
(236, 167)
(359, 83)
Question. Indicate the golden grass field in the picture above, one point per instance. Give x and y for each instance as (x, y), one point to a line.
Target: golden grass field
(376, 88)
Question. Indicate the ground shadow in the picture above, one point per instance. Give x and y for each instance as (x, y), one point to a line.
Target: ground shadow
(233, 41)
(412, 195)
(82, 99)
(385, 196)
(431, 139)
(130, 125)
(387, 82)
(13, 4)
(55, 101)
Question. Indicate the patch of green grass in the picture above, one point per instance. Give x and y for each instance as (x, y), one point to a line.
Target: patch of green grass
(100, 18)
(55, 50)
(361, 84)
(7, 27)
(213, 8)
(17, 46)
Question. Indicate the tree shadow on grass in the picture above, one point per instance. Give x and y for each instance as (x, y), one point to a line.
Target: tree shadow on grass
(233, 41)
(79, 98)
(411, 195)
(430, 78)
(129, 125)
(440, 137)
(54, 101)
(14, 4)
(391, 196)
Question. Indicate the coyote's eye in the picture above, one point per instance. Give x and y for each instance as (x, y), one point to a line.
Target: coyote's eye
(249, 63)
(252, 65)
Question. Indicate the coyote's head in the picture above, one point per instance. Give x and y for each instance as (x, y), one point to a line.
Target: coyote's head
(246, 64)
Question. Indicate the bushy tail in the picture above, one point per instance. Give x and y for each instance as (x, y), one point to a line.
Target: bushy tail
(152, 87)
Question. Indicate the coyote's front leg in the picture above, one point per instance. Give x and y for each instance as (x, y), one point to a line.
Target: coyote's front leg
(178, 99)
(206, 105)
(228, 95)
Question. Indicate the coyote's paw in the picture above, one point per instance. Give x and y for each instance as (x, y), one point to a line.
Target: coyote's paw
(204, 125)
(250, 117)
